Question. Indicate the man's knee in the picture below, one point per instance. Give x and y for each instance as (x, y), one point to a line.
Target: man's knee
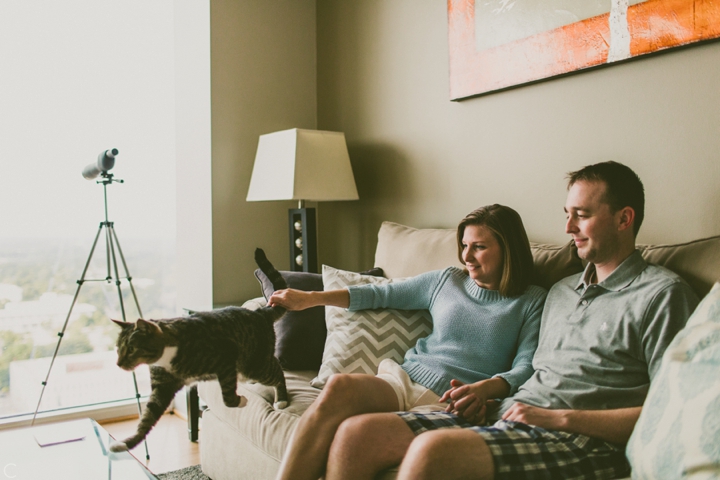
(427, 446)
(456, 452)
(350, 430)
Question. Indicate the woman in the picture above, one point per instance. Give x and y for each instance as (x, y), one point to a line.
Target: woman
(486, 320)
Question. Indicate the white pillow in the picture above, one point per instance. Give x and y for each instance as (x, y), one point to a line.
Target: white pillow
(678, 432)
(358, 341)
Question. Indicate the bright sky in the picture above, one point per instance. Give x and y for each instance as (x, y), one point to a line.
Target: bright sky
(78, 77)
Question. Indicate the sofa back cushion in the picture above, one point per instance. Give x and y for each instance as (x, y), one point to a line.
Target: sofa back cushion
(405, 252)
(698, 262)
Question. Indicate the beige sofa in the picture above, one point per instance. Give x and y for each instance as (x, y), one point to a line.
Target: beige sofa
(249, 442)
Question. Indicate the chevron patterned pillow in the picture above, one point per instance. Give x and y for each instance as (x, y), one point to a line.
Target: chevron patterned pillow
(358, 341)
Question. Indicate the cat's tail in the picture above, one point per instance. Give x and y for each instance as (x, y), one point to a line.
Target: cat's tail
(277, 280)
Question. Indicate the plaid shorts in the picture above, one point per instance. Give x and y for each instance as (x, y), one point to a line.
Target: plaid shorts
(523, 451)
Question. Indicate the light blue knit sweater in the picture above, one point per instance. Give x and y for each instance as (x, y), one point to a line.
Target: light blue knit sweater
(477, 333)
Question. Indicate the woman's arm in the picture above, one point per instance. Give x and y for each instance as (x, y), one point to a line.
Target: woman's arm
(522, 368)
(414, 293)
(299, 300)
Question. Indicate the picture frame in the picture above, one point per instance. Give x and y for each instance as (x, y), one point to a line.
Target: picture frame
(500, 44)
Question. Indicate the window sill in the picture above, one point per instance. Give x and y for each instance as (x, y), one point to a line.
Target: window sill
(98, 412)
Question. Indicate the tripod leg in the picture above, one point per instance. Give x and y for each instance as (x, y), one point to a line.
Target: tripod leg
(113, 241)
(127, 272)
(108, 277)
(67, 318)
(111, 247)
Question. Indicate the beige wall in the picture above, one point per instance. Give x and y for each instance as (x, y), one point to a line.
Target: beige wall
(422, 160)
(263, 80)
(378, 71)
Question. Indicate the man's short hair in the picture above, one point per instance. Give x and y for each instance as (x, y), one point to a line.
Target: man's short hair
(623, 187)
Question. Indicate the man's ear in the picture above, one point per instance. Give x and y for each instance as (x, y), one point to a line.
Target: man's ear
(626, 218)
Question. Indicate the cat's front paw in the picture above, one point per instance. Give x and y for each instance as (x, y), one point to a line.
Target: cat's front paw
(280, 405)
(118, 447)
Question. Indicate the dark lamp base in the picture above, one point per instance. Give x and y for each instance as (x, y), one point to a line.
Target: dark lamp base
(303, 240)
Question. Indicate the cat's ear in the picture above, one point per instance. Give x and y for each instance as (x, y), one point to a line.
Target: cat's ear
(145, 326)
(122, 324)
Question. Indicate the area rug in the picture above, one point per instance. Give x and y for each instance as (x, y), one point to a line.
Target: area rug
(188, 473)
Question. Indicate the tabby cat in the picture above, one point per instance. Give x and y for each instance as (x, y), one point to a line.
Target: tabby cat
(219, 344)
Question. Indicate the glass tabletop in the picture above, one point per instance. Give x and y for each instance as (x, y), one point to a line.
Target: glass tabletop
(78, 449)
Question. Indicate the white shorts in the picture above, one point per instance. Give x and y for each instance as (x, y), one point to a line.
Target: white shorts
(412, 397)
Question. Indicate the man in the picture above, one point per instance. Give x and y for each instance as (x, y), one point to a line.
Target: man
(602, 337)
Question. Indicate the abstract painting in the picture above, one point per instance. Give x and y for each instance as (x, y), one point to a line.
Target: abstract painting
(497, 44)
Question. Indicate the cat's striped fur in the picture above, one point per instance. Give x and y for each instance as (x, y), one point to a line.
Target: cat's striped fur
(220, 344)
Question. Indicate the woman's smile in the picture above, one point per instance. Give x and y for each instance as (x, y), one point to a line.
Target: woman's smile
(482, 255)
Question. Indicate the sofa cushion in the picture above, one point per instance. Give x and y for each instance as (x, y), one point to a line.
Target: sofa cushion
(697, 262)
(554, 262)
(300, 336)
(358, 341)
(405, 252)
(677, 433)
(258, 422)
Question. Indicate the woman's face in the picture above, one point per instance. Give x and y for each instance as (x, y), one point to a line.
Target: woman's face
(482, 255)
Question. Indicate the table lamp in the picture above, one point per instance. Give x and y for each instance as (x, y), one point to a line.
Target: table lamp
(302, 165)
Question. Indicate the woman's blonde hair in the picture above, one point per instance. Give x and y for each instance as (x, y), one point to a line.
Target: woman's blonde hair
(507, 227)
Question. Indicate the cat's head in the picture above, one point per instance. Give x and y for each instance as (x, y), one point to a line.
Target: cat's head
(139, 342)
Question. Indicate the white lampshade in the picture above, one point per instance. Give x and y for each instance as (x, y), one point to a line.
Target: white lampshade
(302, 164)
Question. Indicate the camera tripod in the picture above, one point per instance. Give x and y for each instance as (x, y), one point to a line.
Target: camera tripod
(111, 245)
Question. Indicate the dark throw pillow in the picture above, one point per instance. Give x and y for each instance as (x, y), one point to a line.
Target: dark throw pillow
(300, 336)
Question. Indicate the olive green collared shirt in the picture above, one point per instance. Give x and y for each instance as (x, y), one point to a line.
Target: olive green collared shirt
(601, 344)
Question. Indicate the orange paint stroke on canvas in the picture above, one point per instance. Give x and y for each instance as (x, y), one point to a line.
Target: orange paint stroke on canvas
(653, 25)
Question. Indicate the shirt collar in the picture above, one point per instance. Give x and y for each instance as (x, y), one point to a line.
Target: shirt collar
(620, 278)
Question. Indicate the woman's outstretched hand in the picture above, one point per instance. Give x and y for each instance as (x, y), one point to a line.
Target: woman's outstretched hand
(300, 300)
(291, 299)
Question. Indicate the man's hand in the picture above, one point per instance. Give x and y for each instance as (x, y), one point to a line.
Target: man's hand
(613, 426)
(539, 417)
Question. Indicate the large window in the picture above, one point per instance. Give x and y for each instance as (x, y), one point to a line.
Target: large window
(78, 77)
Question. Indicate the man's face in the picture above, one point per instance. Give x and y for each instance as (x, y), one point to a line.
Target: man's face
(591, 223)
